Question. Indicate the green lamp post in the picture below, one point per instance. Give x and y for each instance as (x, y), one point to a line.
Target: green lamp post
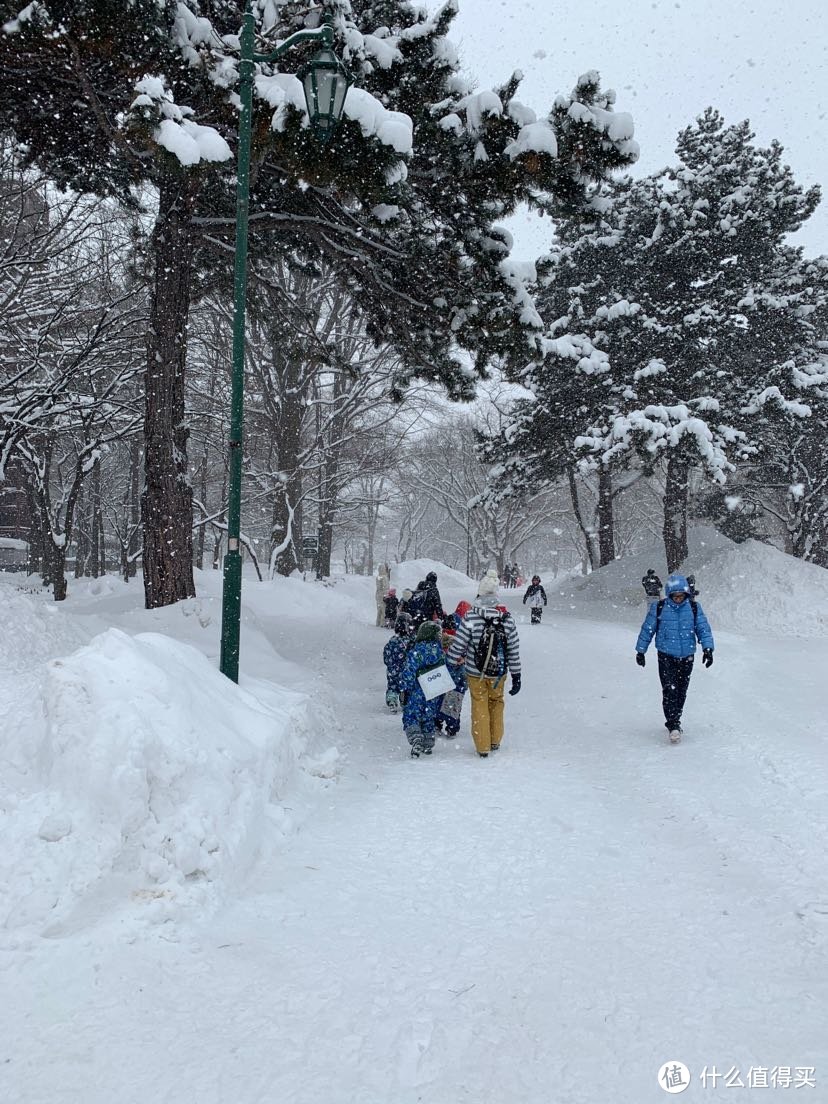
(326, 82)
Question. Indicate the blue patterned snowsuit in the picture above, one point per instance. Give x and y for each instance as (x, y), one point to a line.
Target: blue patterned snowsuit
(393, 656)
(418, 714)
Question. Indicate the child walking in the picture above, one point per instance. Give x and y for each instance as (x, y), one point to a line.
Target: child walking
(393, 656)
(451, 703)
(392, 603)
(419, 715)
(536, 597)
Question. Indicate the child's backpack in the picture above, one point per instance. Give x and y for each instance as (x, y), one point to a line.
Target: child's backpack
(416, 606)
(490, 652)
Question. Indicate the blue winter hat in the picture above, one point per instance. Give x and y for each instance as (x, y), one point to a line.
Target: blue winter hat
(676, 584)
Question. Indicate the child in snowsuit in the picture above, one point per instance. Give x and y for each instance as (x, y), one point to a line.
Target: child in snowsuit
(391, 604)
(419, 715)
(536, 597)
(393, 656)
(676, 622)
(451, 703)
(651, 584)
(416, 604)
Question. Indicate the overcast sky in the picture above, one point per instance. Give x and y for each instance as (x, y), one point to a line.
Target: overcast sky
(764, 60)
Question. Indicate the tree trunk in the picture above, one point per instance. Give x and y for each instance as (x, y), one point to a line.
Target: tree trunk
(167, 501)
(219, 537)
(290, 371)
(606, 525)
(37, 536)
(82, 539)
(93, 564)
(57, 571)
(675, 512)
(202, 490)
(134, 508)
(328, 494)
(576, 509)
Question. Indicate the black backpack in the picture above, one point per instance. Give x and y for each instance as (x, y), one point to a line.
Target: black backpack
(416, 605)
(490, 651)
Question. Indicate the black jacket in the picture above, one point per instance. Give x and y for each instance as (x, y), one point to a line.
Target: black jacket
(533, 589)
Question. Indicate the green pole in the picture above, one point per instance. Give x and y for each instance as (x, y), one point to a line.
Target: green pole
(231, 601)
(231, 597)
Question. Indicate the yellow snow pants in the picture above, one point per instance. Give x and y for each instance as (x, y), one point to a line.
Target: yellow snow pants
(486, 711)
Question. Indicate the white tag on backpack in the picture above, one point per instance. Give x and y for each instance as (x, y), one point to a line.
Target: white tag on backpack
(435, 682)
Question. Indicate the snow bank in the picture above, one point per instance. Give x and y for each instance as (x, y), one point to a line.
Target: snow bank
(34, 629)
(155, 784)
(409, 572)
(755, 588)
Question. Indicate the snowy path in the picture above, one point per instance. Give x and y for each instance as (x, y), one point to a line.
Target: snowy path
(550, 924)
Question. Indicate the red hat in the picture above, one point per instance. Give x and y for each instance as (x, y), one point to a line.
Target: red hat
(463, 608)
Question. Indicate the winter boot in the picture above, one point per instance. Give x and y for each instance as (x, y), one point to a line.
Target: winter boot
(675, 734)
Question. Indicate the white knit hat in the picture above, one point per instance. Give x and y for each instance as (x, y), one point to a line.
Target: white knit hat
(488, 585)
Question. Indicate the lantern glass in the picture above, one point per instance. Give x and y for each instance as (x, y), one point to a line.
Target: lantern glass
(326, 82)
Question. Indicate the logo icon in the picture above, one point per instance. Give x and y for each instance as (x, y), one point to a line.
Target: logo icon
(674, 1077)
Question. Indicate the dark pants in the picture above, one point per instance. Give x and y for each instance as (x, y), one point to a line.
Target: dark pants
(675, 678)
(537, 614)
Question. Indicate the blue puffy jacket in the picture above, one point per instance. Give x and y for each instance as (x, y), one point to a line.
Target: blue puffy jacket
(677, 629)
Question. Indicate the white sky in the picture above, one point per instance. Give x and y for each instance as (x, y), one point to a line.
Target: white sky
(764, 60)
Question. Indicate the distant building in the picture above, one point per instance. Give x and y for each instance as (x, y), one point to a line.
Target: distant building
(15, 508)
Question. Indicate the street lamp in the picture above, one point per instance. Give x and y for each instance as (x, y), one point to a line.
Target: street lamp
(326, 84)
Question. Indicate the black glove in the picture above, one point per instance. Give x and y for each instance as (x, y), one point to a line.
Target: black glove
(640, 659)
(707, 657)
(515, 685)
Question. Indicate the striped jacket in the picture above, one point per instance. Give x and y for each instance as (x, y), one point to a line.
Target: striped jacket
(468, 637)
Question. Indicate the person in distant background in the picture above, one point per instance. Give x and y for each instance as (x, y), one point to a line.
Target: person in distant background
(391, 605)
(383, 583)
(536, 597)
(432, 603)
(676, 622)
(651, 584)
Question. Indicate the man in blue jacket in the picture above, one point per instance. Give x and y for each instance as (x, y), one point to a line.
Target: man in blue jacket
(676, 622)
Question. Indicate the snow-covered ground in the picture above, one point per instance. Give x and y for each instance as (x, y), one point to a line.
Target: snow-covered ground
(221, 895)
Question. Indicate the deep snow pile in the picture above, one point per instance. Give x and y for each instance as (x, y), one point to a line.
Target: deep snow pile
(410, 572)
(754, 587)
(749, 587)
(137, 781)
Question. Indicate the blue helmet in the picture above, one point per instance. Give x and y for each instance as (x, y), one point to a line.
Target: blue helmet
(676, 584)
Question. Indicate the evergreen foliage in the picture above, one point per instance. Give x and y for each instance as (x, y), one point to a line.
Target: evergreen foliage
(670, 326)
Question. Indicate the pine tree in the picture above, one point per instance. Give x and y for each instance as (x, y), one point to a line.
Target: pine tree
(674, 297)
